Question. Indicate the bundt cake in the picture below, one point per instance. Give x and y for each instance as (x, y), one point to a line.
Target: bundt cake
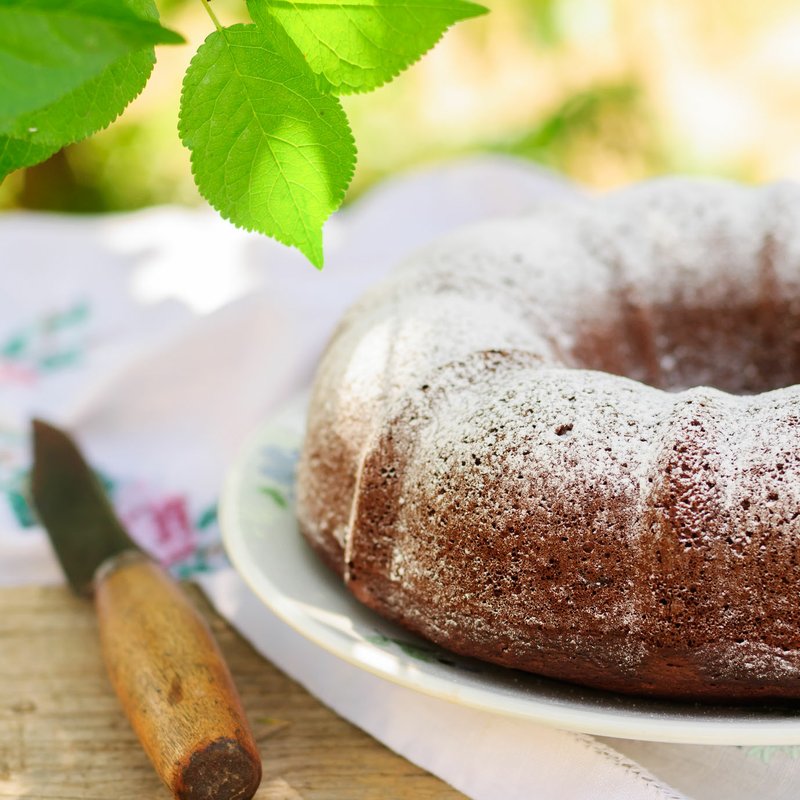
(570, 443)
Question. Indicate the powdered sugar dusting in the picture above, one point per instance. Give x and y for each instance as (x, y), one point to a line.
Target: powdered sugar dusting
(484, 471)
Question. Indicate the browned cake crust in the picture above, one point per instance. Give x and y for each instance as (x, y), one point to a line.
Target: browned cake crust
(514, 449)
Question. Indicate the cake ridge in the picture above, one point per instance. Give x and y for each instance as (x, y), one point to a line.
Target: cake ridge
(484, 464)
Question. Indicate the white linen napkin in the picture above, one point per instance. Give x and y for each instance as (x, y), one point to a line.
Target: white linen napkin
(161, 338)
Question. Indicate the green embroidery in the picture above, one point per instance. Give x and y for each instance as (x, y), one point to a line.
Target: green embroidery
(206, 558)
(74, 315)
(20, 508)
(207, 518)
(15, 488)
(186, 569)
(109, 484)
(15, 346)
(57, 360)
(17, 492)
(40, 346)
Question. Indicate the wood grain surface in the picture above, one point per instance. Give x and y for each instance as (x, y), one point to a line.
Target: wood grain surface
(63, 735)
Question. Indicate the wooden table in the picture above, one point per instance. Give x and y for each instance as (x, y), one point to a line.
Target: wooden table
(64, 737)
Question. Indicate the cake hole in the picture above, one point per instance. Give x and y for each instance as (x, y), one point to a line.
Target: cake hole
(733, 329)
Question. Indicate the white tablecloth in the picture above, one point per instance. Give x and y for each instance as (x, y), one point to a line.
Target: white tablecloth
(162, 337)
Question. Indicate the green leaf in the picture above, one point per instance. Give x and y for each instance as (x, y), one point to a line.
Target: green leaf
(51, 47)
(360, 44)
(37, 135)
(269, 151)
(90, 107)
(18, 153)
(284, 46)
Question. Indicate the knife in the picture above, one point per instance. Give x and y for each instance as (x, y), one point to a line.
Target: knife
(164, 664)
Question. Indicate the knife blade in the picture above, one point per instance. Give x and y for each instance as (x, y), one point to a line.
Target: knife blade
(164, 664)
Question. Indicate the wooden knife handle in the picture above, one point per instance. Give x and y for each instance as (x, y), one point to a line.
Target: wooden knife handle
(173, 683)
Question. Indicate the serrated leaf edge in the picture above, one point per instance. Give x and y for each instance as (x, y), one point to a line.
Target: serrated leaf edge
(318, 264)
(5, 173)
(344, 89)
(61, 143)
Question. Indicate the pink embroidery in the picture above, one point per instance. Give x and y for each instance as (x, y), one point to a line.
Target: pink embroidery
(17, 373)
(163, 527)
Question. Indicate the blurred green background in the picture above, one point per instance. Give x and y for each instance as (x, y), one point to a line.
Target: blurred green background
(605, 91)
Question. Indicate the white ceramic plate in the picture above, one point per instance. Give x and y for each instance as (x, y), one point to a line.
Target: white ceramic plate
(263, 541)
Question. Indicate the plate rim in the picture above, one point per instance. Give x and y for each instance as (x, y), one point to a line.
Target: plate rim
(571, 716)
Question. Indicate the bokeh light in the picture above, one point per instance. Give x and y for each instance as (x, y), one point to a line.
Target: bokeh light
(605, 91)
